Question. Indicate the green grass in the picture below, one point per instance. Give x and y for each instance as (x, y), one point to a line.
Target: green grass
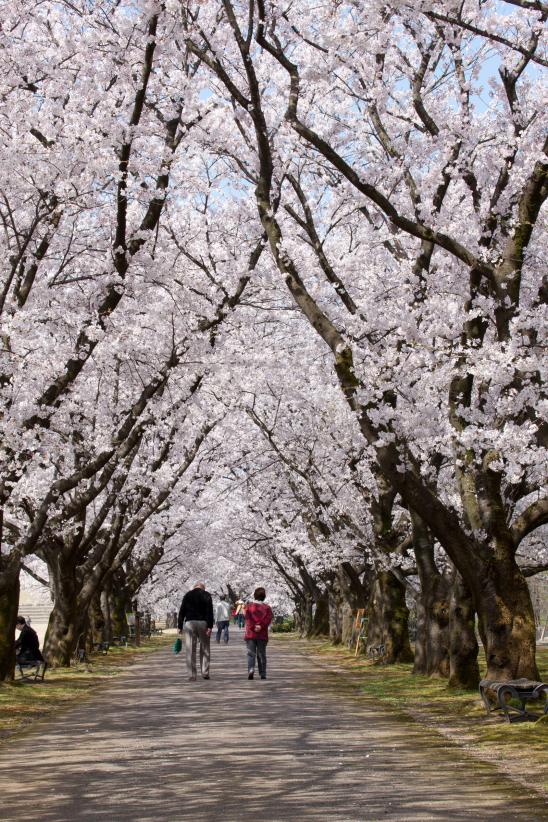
(22, 703)
(459, 715)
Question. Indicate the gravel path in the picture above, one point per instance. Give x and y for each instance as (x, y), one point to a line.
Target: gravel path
(151, 746)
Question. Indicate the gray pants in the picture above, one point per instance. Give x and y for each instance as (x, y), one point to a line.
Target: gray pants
(256, 647)
(195, 629)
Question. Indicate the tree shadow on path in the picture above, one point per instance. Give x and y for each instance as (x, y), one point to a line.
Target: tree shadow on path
(152, 746)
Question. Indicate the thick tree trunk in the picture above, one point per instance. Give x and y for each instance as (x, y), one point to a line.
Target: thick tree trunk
(432, 641)
(432, 604)
(96, 621)
(304, 618)
(506, 620)
(463, 645)
(320, 621)
(355, 593)
(347, 622)
(437, 629)
(66, 621)
(104, 599)
(9, 603)
(420, 665)
(346, 595)
(336, 609)
(120, 605)
(388, 619)
(64, 632)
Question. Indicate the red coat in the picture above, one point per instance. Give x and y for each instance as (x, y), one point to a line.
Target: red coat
(257, 614)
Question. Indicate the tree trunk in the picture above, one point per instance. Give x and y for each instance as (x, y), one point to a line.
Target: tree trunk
(463, 645)
(437, 627)
(506, 620)
(320, 621)
(432, 641)
(303, 614)
(66, 621)
(9, 603)
(120, 605)
(104, 599)
(432, 604)
(420, 665)
(355, 595)
(388, 619)
(336, 607)
(97, 624)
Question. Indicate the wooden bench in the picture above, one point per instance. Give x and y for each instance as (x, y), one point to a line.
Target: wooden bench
(39, 666)
(497, 696)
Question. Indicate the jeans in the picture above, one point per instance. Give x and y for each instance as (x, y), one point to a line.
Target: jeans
(256, 648)
(240, 620)
(222, 628)
(195, 629)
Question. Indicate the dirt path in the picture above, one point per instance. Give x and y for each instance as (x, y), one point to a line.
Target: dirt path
(152, 746)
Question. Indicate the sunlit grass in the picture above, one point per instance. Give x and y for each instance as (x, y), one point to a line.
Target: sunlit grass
(23, 702)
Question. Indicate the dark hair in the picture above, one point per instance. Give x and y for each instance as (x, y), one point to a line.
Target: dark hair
(20, 621)
(259, 594)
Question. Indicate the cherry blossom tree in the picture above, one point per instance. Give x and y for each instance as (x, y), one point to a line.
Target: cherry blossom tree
(385, 104)
(358, 411)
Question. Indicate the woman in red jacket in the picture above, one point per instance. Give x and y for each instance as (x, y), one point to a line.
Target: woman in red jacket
(258, 616)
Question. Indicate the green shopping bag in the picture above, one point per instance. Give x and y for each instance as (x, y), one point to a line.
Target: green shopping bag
(177, 645)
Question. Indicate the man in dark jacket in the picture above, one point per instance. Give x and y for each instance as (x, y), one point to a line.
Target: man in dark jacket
(196, 621)
(28, 644)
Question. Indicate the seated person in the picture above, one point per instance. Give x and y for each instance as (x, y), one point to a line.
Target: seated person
(27, 647)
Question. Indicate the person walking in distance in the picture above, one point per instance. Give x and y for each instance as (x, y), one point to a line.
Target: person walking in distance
(240, 620)
(258, 616)
(222, 618)
(196, 622)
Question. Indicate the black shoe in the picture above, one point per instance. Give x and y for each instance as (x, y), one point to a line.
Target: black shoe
(263, 677)
(250, 675)
(205, 676)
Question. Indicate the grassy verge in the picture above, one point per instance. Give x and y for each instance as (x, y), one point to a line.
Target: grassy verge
(22, 703)
(459, 715)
